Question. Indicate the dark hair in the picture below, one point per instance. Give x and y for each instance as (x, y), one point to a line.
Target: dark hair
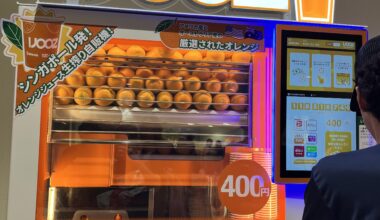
(368, 76)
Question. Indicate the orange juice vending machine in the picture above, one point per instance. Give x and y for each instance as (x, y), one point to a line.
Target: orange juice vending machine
(128, 114)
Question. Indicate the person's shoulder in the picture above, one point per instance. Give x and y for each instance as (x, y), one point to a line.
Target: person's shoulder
(348, 183)
(355, 161)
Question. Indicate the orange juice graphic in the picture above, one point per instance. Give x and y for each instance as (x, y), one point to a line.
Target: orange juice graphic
(343, 78)
(40, 39)
(315, 10)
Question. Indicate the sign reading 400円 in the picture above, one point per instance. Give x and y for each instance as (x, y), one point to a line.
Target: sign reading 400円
(244, 187)
(266, 5)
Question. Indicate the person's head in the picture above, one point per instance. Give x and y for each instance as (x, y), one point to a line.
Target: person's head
(366, 98)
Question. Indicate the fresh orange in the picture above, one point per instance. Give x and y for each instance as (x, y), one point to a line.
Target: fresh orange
(154, 82)
(239, 99)
(228, 55)
(83, 96)
(156, 52)
(92, 69)
(202, 73)
(163, 73)
(241, 57)
(144, 72)
(227, 63)
(213, 85)
(84, 67)
(145, 99)
(125, 97)
(176, 55)
(100, 54)
(183, 100)
(239, 76)
(174, 83)
(65, 92)
(95, 78)
(127, 72)
(192, 83)
(212, 55)
(193, 55)
(221, 74)
(107, 68)
(104, 96)
(116, 79)
(123, 46)
(165, 100)
(135, 51)
(136, 83)
(76, 78)
(108, 46)
(116, 54)
(182, 72)
(203, 100)
(230, 86)
(221, 102)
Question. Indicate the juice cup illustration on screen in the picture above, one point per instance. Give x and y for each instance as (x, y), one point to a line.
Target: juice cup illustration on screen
(343, 78)
(40, 39)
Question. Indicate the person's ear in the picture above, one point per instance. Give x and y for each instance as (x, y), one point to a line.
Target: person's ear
(361, 101)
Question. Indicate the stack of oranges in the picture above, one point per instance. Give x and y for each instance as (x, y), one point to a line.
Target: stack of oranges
(129, 75)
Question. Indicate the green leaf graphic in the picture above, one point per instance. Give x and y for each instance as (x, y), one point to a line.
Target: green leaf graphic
(13, 33)
(164, 25)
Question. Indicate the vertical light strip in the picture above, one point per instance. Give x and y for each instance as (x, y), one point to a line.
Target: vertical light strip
(297, 10)
(333, 11)
(268, 107)
(52, 200)
(259, 73)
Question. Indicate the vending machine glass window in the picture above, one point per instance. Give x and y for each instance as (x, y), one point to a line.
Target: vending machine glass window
(140, 130)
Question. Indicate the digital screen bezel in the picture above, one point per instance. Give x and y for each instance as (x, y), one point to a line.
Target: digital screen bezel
(283, 33)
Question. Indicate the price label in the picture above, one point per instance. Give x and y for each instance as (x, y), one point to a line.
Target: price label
(334, 123)
(244, 187)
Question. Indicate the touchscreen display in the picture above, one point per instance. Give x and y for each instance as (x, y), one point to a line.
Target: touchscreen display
(319, 82)
(317, 127)
(319, 122)
(316, 73)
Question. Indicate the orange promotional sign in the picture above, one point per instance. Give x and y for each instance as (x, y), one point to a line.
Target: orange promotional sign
(192, 35)
(44, 51)
(321, 11)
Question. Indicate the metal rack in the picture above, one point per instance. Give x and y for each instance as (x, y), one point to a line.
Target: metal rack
(154, 128)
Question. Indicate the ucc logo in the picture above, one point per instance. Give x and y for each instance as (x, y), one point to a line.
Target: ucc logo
(40, 43)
